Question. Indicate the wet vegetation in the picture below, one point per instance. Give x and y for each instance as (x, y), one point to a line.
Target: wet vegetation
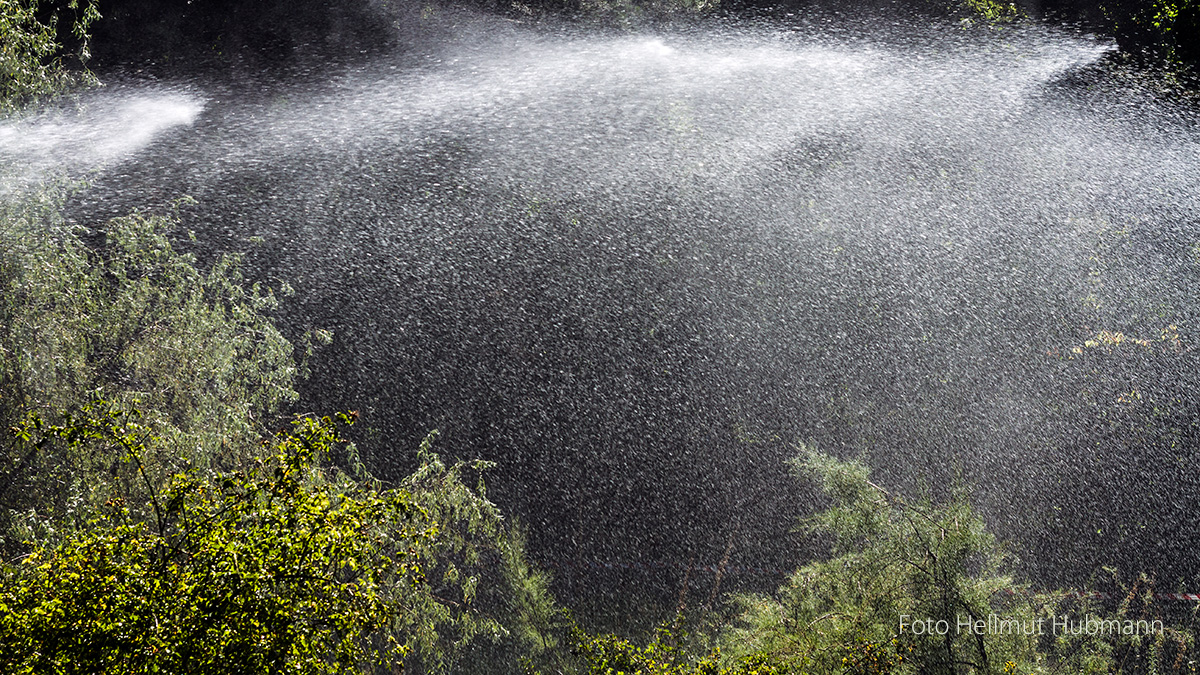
(989, 440)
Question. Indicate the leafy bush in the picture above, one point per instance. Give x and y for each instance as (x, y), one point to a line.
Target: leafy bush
(612, 655)
(893, 563)
(286, 566)
(134, 322)
(283, 568)
(31, 54)
(910, 586)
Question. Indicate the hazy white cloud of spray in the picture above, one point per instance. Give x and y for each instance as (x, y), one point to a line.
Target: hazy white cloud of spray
(103, 130)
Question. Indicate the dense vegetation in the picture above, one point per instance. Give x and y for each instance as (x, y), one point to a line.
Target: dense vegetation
(157, 523)
(154, 518)
(285, 566)
(34, 56)
(894, 562)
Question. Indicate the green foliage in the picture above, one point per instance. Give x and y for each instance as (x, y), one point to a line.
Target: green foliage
(892, 560)
(285, 566)
(31, 54)
(895, 563)
(1169, 651)
(160, 533)
(1169, 28)
(482, 589)
(992, 11)
(612, 655)
(134, 322)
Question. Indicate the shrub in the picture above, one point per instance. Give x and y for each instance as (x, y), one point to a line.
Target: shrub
(285, 566)
(32, 64)
(892, 560)
(136, 323)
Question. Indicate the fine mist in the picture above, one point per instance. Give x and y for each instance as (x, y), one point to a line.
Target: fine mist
(634, 270)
